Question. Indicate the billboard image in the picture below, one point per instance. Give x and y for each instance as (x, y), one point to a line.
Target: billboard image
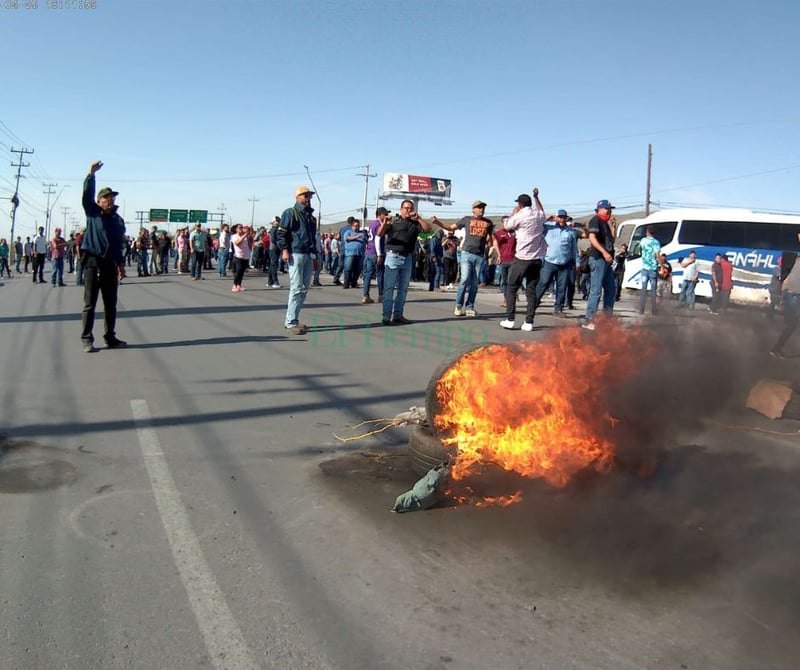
(416, 185)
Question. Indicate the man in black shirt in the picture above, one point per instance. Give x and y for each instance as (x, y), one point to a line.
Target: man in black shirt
(400, 242)
(601, 258)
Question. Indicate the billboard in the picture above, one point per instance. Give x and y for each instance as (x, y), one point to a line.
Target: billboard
(415, 185)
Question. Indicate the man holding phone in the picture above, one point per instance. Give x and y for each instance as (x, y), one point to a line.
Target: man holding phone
(400, 241)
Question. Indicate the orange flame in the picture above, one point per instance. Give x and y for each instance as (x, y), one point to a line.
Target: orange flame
(538, 408)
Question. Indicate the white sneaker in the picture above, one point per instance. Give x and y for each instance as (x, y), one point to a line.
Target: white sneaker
(458, 311)
(588, 326)
(508, 324)
(527, 327)
(471, 312)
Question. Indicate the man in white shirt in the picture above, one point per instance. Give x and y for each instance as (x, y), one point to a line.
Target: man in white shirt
(528, 224)
(40, 245)
(690, 275)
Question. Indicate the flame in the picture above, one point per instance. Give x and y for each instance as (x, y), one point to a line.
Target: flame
(538, 408)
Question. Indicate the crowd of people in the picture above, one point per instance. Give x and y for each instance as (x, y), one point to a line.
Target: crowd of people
(529, 251)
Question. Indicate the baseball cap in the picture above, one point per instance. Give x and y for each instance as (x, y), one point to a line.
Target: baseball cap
(106, 190)
(604, 204)
(479, 203)
(562, 212)
(301, 190)
(524, 200)
(381, 210)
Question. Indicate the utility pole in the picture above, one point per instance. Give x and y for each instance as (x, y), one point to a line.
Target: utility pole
(140, 218)
(222, 210)
(50, 191)
(366, 176)
(64, 210)
(15, 199)
(647, 188)
(254, 200)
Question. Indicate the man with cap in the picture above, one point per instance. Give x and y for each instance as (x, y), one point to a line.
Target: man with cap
(562, 247)
(601, 258)
(40, 245)
(58, 248)
(477, 232)
(297, 241)
(528, 224)
(103, 258)
(373, 256)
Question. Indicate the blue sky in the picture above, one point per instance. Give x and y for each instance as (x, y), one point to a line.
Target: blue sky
(195, 104)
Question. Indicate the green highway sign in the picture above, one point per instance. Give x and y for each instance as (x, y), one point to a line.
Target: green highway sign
(198, 216)
(179, 215)
(159, 214)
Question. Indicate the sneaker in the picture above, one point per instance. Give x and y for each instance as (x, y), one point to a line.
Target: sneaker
(559, 315)
(366, 300)
(242, 288)
(297, 329)
(234, 289)
(588, 325)
(401, 321)
(276, 286)
(777, 354)
(88, 347)
(508, 324)
(472, 313)
(116, 344)
(386, 321)
(458, 311)
(527, 327)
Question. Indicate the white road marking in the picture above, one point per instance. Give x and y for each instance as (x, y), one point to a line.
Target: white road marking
(224, 641)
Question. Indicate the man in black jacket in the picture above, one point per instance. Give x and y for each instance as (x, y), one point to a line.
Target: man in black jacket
(103, 258)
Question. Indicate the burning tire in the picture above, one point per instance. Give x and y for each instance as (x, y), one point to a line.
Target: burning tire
(425, 451)
(432, 405)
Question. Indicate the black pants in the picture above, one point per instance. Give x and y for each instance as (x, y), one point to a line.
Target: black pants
(99, 276)
(38, 267)
(528, 270)
(239, 266)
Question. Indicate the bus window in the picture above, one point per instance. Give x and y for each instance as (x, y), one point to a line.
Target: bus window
(664, 232)
(727, 234)
(762, 236)
(695, 232)
(635, 246)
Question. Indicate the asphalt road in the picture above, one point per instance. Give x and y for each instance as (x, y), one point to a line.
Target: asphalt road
(185, 503)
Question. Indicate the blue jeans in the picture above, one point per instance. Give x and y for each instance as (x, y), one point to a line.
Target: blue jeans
(372, 269)
(552, 272)
(470, 269)
(142, 264)
(198, 258)
(352, 270)
(686, 298)
(435, 274)
(649, 284)
(222, 263)
(601, 279)
(58, 270)
(300, 269)
(396, 276)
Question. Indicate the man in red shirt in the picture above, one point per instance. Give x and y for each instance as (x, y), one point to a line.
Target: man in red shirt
(506, 245)
(722, 284)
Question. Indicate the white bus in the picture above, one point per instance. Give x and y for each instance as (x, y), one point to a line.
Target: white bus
(753, 242)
